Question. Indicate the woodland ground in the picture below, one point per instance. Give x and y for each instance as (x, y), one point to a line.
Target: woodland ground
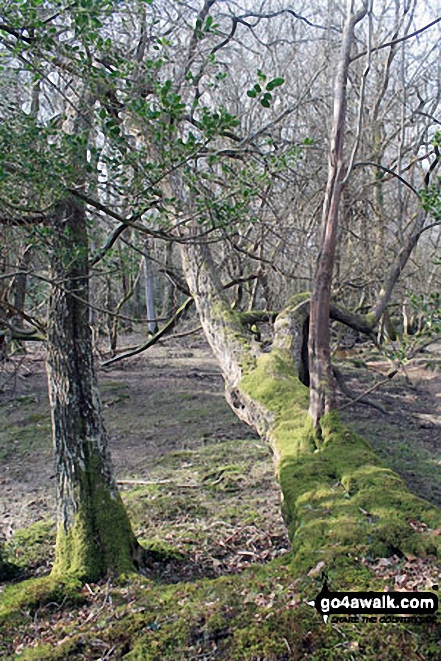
(201, 492)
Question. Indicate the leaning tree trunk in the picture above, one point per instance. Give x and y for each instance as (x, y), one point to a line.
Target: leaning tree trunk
(94, 535)
(322, 386)
(339, 501)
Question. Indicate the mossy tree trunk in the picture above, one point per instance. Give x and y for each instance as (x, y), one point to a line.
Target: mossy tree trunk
(337, 498)
(94, 535)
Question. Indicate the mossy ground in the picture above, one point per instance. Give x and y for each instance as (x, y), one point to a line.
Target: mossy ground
(182, 608)
(412, 444)
(260, 614)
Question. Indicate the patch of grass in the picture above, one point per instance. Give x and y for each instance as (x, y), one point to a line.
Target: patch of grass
(234, 494)
(176, 458)
(26, 400)
(165, 504)
(113, 387)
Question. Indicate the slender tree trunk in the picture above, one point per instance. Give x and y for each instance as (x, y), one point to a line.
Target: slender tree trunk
(3, 293)
(20, 286)
(94, 535)
(322, 385)
(169, 295)
(149, 292)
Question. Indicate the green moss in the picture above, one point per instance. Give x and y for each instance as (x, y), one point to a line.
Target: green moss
(46, 652)
(343, 501)
(401, 450)
(259, 614)
(32, 546)
(36, 593)
(274, 384)
(157, 550)
(337, 497)
(296, 299)
(100, 538)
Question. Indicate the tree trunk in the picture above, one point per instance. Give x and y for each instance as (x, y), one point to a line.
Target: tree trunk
(94, 535)
(340, 503)
(149, 292)
(169, 295)
(20, 286)
(322, 384)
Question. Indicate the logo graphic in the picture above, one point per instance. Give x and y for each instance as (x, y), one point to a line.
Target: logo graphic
(373, 603)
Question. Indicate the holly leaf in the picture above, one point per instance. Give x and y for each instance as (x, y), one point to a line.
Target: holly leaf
(275, 82)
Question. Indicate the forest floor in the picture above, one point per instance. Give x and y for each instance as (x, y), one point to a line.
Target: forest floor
(200, 489)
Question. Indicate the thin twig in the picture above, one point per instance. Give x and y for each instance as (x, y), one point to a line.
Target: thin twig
(369, 390)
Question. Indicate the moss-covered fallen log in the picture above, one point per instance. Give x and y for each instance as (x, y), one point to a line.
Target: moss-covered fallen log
(337, 497)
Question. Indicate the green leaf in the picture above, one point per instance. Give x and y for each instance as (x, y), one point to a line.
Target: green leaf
(276, 82)
(257, 88)
(252, 94)
(265, 103)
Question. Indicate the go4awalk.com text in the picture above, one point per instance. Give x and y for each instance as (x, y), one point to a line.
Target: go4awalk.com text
(371, 605)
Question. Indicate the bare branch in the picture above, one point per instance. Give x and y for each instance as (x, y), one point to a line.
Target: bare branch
(361, 100)
(168, 327)
(389, 171)
(398, 41)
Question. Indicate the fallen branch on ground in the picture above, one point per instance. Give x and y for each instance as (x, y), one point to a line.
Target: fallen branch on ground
(158, 482)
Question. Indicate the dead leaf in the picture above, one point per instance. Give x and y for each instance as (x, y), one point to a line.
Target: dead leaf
(418, 526)
(317, 569)
(383, 562)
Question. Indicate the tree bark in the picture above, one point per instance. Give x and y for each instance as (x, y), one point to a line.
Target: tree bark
(339, 502)
(322, 384)
(94, 535)
(149, 292)
(20, 286)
